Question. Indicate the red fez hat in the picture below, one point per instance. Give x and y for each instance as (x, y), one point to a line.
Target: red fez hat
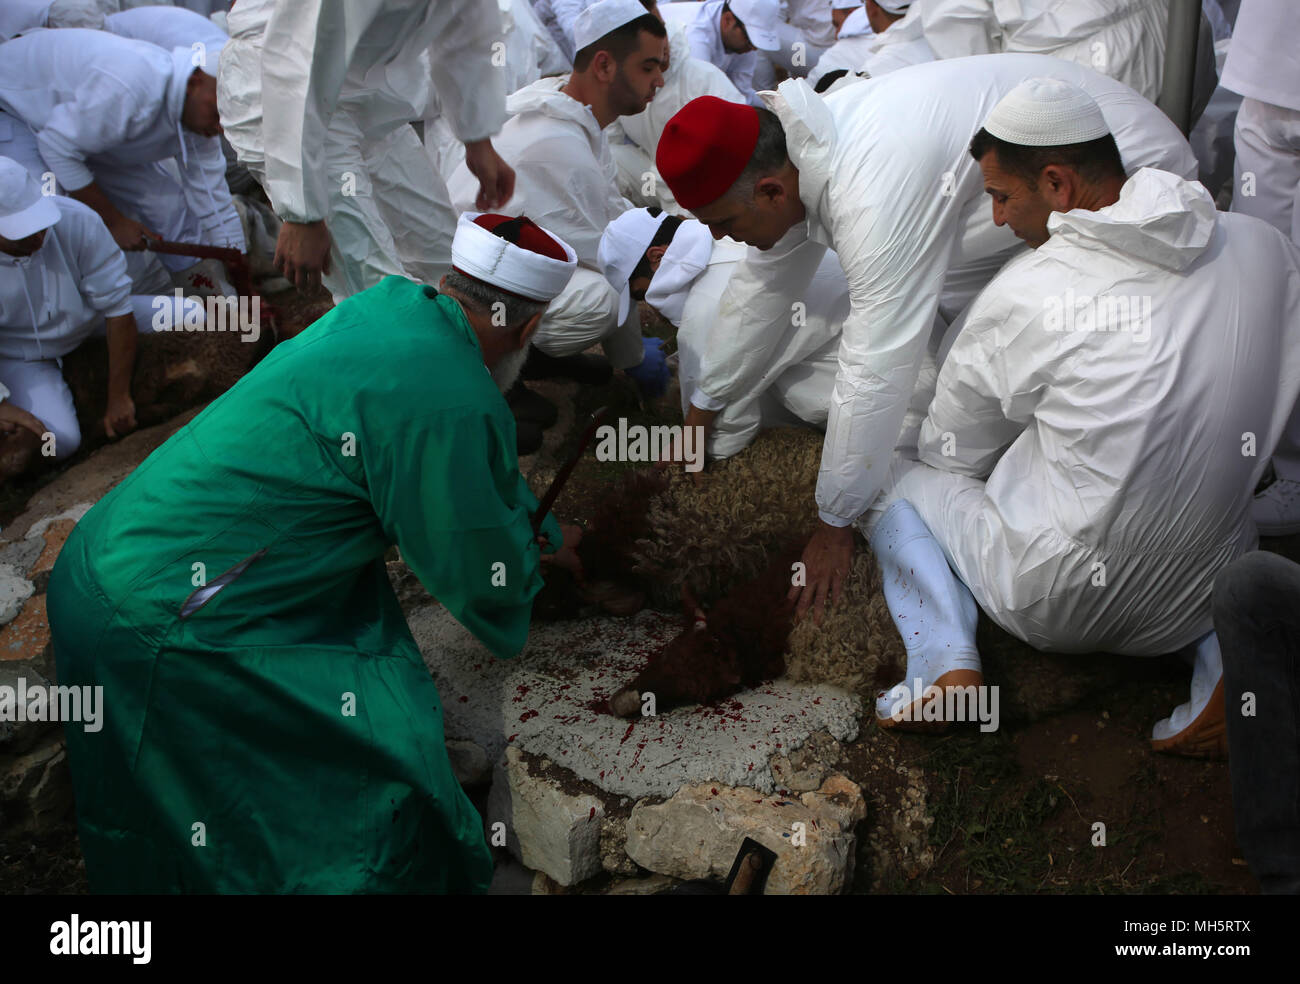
(524, 233)
(704, 148)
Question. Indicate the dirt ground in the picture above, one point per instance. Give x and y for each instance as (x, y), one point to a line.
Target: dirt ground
(1014, 811)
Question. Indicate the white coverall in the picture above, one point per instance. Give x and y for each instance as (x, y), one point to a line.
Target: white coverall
(52, 301)
(1103, 417)
(18, 16)
(90, 106)
(902, 44)
(1124, 39)
(558, 17)
(566, 182)
(530, 53)
(1264, 66)
(334, 84)
(849, 50)
(633, 140)
(705, 38)
(887, 181)
(805, 32)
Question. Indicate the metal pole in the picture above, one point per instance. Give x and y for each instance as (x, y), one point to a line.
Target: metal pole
(1180, 62)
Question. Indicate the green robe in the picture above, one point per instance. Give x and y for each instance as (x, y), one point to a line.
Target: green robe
(286, 735)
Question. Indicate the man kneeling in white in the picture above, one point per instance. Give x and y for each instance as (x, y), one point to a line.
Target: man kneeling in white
(1100, 421)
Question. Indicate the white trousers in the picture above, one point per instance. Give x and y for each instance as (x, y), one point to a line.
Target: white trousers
(38, 387)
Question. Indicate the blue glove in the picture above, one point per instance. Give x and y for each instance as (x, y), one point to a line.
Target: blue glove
(652, 374)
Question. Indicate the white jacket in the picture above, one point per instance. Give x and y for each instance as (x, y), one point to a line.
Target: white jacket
(291, 64)
(849, 50)
(902, 44)
(1121, 388)
(888, 183)
(1264, 57)
(175, 27)
(51, 301)
(565, 178)
(90, 95)
(705, 38)
(1124, 39)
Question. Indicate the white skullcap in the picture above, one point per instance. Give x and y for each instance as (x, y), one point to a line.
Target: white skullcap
(601, 18)
(622, 245)
(893, 6)
(478, 252)
(1046, 113)
(760, 18)
(845, 4)
(23, 209)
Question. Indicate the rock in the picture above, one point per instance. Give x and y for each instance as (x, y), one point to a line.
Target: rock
(27, 637)
(697, 833)
(839, 800)
(14, 592)
(469, 763)
(544, 884)
(410, 592)
(550, 830)
(22, 554)
(18, 735)
(36, 787)
(613, 848)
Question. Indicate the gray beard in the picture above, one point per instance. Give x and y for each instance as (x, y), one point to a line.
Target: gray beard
(508, 369)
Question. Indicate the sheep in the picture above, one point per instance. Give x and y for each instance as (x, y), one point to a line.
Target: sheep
(730, 545)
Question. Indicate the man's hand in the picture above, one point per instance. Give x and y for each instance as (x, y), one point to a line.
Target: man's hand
(826, 562)
(676, 454)
(302, 253)
(129, 234)
(496, 178)
(12, 417)
(567, 556)
(119, 419)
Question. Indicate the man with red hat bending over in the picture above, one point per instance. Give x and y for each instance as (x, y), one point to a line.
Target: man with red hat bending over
(879, 173)
(231, 598)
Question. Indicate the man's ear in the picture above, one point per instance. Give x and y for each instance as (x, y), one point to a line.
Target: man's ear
(655, 255)
(530, 326)
(603, 66)
(1060, 186)
(769, 191)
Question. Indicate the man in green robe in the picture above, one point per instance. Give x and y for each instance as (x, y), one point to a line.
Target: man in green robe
(269, 724)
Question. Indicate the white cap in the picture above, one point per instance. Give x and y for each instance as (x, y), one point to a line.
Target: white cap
(1046, 113)
(845, 4)
(478, 252)
(23, 209)
(893, 6)
(601, 18)
(760, 18)
(622, 245)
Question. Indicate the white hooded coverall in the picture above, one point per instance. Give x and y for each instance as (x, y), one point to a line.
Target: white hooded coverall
(566, 182)
(1124, 39)
(316, 97)
(888, 183)
(1103, 417)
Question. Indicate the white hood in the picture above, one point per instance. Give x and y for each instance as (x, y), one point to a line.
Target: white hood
(1160, 218)
(544, 97)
